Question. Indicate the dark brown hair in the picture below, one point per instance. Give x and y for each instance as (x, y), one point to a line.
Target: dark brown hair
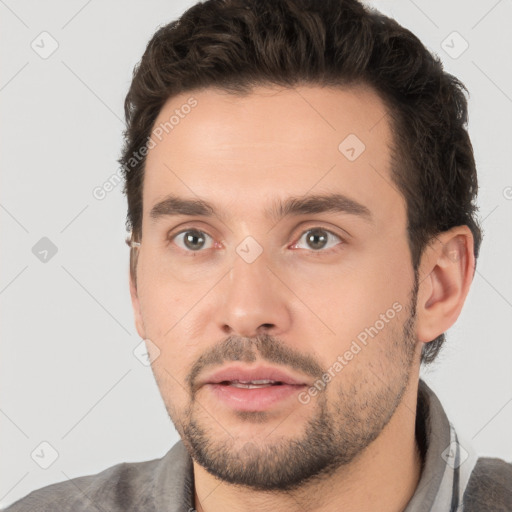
(235, 45)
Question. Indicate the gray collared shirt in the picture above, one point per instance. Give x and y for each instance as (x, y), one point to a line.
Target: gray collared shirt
(453, 478)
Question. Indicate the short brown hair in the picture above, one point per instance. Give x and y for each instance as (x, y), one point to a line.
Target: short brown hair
(235, 45)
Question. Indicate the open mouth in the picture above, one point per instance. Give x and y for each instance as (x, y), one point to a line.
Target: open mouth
(253, 387)
(253, 395)
(252, 384)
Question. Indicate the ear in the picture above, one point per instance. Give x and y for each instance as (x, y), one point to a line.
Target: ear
(139, 324)
(445, 274)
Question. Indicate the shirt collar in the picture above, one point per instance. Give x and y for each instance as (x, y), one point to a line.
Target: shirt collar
(448, 461)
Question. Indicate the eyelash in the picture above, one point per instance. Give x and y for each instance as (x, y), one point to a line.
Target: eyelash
(318, 252)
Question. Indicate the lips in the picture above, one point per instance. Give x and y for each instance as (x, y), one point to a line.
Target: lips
(251, 378)
(248, 389)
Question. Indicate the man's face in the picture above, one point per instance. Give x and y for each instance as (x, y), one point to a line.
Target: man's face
(325, 289)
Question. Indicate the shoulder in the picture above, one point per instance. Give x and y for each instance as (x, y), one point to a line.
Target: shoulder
(489, 487)
(114, 489)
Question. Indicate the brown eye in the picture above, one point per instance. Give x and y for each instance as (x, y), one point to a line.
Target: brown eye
(193, 240)
(318, 239)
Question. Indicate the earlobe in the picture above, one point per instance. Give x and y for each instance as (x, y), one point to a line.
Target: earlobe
(447, 269)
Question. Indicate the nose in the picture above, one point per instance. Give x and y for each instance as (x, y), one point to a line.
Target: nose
(253, 301)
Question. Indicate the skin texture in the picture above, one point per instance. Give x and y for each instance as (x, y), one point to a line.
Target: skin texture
(295, 307)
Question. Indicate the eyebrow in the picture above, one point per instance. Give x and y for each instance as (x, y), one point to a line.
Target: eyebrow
(302, 205)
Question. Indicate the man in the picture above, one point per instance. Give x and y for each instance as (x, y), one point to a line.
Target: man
(301, 193)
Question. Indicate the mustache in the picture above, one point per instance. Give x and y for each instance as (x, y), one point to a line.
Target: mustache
(248, 350)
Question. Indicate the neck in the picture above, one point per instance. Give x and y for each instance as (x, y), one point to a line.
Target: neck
(383, 477)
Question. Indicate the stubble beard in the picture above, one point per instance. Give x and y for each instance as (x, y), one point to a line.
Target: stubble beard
(340, 429)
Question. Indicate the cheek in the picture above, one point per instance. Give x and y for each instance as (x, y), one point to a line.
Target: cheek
(167, 309)
(163, 300)
(159, 309)
(170, 382)
(341, 293)
(355, 297)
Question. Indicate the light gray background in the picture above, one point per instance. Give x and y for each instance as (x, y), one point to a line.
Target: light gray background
(68, 374)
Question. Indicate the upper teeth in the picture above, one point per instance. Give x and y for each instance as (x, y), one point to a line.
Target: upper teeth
(262, 381)
(251, 383)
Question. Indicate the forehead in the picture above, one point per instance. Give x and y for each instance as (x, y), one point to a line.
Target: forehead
(274, 142)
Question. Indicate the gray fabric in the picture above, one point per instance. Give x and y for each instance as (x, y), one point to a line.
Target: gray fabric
(164, 484)
(436, 429)
(490, 487)
(167, 484)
